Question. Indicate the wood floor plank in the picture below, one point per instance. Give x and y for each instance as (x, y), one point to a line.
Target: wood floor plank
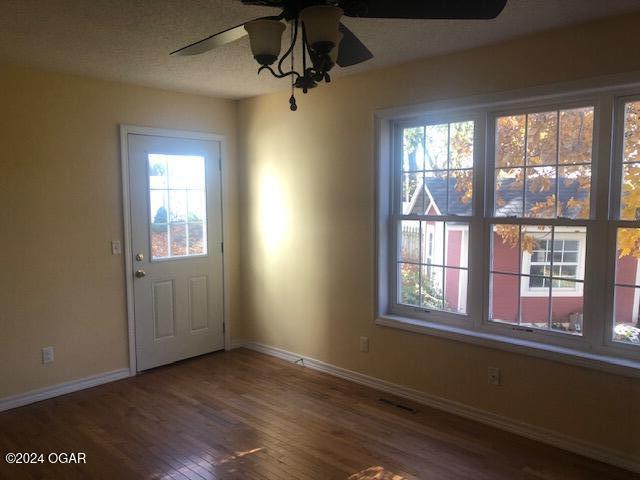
(244, 415)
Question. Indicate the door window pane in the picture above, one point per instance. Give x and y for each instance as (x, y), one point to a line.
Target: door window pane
(177, 206)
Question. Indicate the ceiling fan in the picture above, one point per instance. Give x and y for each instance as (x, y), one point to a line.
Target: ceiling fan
(326, 41)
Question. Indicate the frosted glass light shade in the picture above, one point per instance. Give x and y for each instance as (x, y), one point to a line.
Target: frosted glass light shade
(265, 37)
(321, 23)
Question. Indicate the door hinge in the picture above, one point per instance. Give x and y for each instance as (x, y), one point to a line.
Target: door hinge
(222, 247)
(224, 327)
(220, 163)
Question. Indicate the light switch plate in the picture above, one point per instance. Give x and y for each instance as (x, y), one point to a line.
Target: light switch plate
(116, 247)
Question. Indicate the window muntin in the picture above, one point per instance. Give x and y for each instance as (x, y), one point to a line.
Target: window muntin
(537, 276)
(543, 164)
(437, 189)
(177, 206)
(433, 265)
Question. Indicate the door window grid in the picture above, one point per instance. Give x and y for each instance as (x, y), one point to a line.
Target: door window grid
(177, 197)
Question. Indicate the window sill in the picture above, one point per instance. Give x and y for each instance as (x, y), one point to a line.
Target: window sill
(606, 363)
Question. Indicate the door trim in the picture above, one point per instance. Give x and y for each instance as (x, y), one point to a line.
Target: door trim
(125, 130)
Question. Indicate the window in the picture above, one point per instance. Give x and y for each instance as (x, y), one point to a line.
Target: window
(436, 194)
(626, 322)
(177, 200)
(516, 220)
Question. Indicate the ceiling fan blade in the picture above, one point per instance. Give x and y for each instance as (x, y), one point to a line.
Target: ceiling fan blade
(222, 38)
(425, 9)
(351, 50)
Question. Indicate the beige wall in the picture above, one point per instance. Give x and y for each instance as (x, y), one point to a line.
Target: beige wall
(60, 206)
(307, 210)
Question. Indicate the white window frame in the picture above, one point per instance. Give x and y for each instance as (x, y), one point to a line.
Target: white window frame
(595, 348)
(424, 313)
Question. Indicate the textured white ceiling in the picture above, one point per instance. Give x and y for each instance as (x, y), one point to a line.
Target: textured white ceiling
(130, 40)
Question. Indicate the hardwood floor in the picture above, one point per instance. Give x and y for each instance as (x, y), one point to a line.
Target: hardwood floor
(244, 415)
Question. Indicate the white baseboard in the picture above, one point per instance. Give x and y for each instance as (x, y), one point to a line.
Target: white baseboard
(549, 437)
(237, 343)
(19, 400)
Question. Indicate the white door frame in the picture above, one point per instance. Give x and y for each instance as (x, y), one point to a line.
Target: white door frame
(125, 130)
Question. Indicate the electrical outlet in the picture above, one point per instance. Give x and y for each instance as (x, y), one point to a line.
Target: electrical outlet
(364, 344)
(493, 376)
(47, 355)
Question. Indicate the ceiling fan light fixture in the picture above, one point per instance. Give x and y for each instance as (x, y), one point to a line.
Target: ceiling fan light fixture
(321, 24)
(265, 36)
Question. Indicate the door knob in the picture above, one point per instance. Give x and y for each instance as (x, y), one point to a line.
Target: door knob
(140, 273)
(139, 257)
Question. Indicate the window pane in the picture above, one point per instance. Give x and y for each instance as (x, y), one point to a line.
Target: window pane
(196, 206)
(509, 192)
(412, 194)
(436, 193)
(627, 255)
(510, 141)
(197, 245)
(567, 311)
(409, 284)
(558, 170)
(626, 326)
(410, 241)
(186, 171)
(157, 171)
(178, 239)
(177, 205)
(540, 192)
(534, 309)
(504, 297)
(576, 135)
(574, 191)
(455, 290)
(159, 240)
(413, 157)
(158, 202)
(542, 138)
(505, 248)
(630, 201)
(460, 192)
(461, 145)
(433, 242)
(631, 149)
(437, 147)
(432, 286)
(456, 244)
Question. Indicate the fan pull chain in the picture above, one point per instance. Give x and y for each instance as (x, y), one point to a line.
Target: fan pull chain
(292, 100)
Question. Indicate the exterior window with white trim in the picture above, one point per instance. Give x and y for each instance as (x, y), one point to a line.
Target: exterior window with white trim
(516, 221)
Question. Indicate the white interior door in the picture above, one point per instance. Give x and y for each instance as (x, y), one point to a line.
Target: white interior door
(176, 239)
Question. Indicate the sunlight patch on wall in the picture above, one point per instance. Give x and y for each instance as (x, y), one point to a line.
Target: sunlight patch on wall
(273, 210)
